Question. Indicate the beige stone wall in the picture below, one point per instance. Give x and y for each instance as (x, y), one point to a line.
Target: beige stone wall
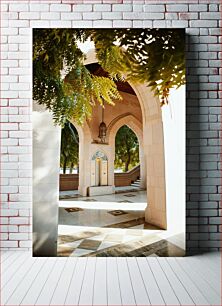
(68, 182)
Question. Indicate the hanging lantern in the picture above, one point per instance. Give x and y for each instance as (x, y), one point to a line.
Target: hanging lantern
(102, 131)
(102, 128)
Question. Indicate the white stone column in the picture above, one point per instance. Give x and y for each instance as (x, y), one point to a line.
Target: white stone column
(111, 168)
(84, 161)
(142, 166)
(46, 165)
(84, 167)
(155, 212)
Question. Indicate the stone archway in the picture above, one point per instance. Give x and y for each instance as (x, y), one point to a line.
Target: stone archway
(153, 144)
(153, 137)
(46, 152)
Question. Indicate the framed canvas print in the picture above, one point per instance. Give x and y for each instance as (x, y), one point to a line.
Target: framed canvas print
(108, 142)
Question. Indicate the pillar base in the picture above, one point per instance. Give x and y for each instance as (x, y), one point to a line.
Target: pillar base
(100, 190)
(156, 218)
(82, 191)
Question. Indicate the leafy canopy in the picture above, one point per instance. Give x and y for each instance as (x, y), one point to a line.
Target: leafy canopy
(153, 56)
(63, 84)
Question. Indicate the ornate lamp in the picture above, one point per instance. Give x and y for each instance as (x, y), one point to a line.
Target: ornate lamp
(102, 128)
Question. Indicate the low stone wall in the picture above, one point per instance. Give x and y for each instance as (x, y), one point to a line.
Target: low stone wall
(68, 182)
(126, 179)
(71, 181)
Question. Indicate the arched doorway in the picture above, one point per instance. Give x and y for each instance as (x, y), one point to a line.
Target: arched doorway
(99, 175)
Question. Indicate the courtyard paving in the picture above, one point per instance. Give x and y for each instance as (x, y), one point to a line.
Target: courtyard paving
(111, 225)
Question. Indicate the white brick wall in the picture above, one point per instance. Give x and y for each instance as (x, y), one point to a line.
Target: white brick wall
(201, 20)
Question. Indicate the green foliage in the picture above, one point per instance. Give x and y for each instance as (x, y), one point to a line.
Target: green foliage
(154, 56)
(69, 153)
(127, 149)
(63, 84)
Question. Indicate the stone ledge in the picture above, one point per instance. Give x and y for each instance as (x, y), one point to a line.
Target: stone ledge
(100, 190)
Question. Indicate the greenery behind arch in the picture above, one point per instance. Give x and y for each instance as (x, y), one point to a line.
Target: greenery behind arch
(126, 149)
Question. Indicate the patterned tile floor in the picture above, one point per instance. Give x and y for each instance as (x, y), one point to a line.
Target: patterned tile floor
(116, 242)
(96, 211)
(111, 226)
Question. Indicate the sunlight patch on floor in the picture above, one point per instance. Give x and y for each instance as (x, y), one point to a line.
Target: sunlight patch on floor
(104, 205)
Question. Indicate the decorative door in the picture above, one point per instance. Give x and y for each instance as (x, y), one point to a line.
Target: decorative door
(103, 173)
(97, 174)
(93, 173)
(99, 168)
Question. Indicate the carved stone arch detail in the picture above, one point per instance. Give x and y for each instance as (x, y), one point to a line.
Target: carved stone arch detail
(127, 119)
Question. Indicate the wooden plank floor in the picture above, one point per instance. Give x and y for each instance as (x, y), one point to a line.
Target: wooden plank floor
(110, 281)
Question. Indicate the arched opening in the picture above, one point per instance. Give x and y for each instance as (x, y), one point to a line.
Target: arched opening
(127, 160)
(153, 150)
(126, 150)
(69, 159)
(69, 150)
(135, 125)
